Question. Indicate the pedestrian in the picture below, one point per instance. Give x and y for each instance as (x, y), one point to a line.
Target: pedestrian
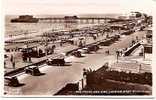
(121, 52)
(80, 44)
(29, 58)
(13, 64)
(84, 72)
(40, 52)
(139, 68)
(84, 42)
(4, 64)
(94, 37)
(137, 38)
(23, 57)
(108, 52)
(11, 58)
(61, 43)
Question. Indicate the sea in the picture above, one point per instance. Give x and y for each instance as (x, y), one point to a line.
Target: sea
(15, 29)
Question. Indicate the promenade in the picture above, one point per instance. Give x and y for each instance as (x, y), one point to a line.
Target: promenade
(57, 77)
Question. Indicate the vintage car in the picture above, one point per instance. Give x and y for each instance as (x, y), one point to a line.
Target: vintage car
(70, 41)
(142, 28)
(116, 37)
(32, 70)
(5, 56)
(84, 50)
(93, 47)
(56, 61)
(11, 81)
(31, 52)
(106, 42)
(76, 53)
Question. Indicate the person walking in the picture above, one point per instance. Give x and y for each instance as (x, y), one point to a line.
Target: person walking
(84, 72)
(13, 64)
(29, 58)
(12, 61)
(107, 52)
(61, 44)
(11, 58)
(4, 64)
(139, 70)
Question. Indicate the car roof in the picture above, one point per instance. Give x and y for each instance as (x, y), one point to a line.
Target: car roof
(32, 66)
(9, 76)
(79, 50)
(84, 48)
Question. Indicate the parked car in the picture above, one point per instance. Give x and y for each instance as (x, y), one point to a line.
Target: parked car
(84, 50)
(106, 42)
(93, 47)
(56, 61)
(76, 54)
(11, 81)
(116, 37)
(5, 56)
(32, 70)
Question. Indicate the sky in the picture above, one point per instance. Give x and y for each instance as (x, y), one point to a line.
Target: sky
(52, 7)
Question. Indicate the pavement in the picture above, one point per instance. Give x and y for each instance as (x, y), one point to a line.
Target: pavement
(57, 77)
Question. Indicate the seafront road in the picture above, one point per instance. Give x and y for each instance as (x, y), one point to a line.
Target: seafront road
(57, 77)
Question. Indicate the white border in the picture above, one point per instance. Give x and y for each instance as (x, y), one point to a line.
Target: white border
(2, 18)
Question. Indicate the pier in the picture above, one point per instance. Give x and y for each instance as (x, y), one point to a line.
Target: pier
(75, 19)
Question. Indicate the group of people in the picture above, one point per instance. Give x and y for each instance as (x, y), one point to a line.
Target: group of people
(82, 43)
(26, 57)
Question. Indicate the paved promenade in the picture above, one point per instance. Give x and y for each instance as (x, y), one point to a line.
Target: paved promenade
(57, 77)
